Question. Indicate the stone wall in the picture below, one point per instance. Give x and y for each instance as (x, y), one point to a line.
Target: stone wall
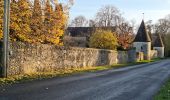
(154, 54)
(75, 41)
(29, 58)
(1, 58)
(160, 51)
(139, 56)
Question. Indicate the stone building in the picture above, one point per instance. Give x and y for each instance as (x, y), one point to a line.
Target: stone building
(159, 46)
(143, 43)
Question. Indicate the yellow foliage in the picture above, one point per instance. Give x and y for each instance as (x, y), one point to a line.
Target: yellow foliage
(1, 17)
(54, 24)
(103, 39)
(30, 25)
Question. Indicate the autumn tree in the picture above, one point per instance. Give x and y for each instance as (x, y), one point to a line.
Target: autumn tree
(1, 18)
(14, 20)
(110, 17)
(58, 24)
(31, 22)
(124, 35)
(103, 39)
(37, 22)
(54, 23)
(23, 17)
(47, 21)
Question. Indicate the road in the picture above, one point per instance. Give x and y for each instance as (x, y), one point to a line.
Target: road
(139, 82)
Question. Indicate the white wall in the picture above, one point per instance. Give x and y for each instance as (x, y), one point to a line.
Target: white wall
(160, 51)
(144, 47)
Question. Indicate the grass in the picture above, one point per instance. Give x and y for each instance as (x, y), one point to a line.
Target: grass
(61, 73)
(164, 93)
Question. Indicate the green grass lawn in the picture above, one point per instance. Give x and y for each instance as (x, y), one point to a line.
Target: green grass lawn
(68, 72)
(164, 93)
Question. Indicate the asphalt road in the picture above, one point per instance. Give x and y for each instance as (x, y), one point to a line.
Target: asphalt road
(138, 82)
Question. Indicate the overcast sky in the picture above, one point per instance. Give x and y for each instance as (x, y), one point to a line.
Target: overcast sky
(130, 9)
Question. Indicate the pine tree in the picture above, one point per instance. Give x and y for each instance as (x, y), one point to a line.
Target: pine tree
(36, 22)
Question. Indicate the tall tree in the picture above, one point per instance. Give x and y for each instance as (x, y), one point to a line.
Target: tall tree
(24, 17)
(14, 20)
(48, 11)
(167, 44)
(37, 22)
(79, 21)
(1, 18)
(107, 16)
(58, 24)
(125, 35)
(163, 27)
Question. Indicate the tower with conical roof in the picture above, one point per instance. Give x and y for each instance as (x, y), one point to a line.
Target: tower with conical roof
(142, 41)
(159, 46)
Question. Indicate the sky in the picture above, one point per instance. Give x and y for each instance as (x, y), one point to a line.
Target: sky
(130, 9)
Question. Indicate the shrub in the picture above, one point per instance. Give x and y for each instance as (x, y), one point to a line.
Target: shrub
(103, 39)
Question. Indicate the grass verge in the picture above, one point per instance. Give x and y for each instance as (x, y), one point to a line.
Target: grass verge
(164, 93)
(60, 73)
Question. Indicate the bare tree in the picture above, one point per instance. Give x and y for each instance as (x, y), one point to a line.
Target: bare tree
(92, 23)
(107, 16)
(79, 21)
(163, 26)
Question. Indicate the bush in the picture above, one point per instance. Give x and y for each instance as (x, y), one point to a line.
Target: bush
(103, 39)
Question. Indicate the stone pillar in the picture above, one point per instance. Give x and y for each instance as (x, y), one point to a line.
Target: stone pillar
(132, 55)
(147, 51)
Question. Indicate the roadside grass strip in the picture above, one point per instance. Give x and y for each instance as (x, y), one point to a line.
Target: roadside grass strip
(164, 93)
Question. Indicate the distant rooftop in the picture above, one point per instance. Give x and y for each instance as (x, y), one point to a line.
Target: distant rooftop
(158, 42)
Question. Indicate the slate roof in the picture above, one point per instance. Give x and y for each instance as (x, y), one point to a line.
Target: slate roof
(142, 34)
(85, 31)
(79, 31)
(158, 41)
